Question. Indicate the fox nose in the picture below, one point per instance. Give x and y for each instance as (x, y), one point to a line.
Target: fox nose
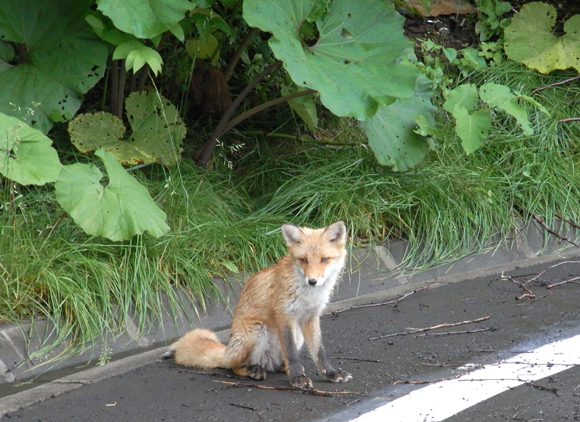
(312, 281)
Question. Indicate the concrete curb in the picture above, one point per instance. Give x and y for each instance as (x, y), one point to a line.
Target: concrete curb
(371, 276)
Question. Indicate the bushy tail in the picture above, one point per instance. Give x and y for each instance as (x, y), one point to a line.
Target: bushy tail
(199, 349)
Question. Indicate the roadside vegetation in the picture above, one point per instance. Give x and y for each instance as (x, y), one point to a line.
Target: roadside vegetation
(450, 192)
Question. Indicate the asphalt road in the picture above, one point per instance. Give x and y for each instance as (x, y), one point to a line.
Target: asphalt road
(383, 368)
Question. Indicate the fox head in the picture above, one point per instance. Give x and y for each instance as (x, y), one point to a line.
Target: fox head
(317, 254)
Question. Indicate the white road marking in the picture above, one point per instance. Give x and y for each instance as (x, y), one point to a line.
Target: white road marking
(444, 399)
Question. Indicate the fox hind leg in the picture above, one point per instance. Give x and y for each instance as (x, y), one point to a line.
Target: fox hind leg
(253, 351)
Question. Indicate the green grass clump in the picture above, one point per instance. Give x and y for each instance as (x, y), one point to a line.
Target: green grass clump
(225, 221)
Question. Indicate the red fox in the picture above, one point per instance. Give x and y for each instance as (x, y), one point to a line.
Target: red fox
(278, 310)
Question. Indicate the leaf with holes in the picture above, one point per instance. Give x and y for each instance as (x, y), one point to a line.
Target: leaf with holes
(358, 61)
(157, 131)
(392, 131)
(117, 211)
(530, 40)
(60, 59)
(26, 155)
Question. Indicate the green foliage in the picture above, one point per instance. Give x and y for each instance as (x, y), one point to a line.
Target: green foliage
(145, 18)
(501, 97)
(358, 43)
(26, 154)
(529, 39)
(156, 136)
(136, 55)
(117, 211)
(58, 59)
(305, 106)
(490, 23)
(391, 131)
(473, 126)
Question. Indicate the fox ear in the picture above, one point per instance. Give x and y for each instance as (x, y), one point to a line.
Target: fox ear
(291, 233)
(336, 232)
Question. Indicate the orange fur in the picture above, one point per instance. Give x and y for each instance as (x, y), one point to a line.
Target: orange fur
(278, 309)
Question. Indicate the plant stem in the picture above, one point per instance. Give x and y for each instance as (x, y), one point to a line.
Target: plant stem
(298, 138)
(114, 88)
(229, 70)
(264, 106)
(204, 154)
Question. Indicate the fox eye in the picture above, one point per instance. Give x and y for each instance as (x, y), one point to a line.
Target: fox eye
(304, 260)
(324, 259)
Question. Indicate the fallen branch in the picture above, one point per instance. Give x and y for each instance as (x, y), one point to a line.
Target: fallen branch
(576, 226)
(531, 294)
(390, 302)
(555, 84)
(243, 406)
(396, 381)
(528, 293)
(540, 220)
(359, 359)
(561, 283)
(312, 391)
(448, 333)
(435, 327)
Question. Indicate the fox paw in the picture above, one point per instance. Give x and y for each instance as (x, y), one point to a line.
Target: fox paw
(338, 376)
(302, 381)
(256, 372)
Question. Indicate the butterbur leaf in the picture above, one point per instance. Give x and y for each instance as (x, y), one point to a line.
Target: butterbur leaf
(358, 61)
(529, 39)
(26, 154)
(154, 16)
(117, 211)
(65, 58)
(392, 130)
(157, 131)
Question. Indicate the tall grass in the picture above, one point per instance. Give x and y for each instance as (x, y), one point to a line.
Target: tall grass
(224, 221)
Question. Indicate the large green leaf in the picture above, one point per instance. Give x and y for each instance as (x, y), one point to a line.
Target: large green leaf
(117, 211)
(60, 59)
(464, 95)
(157, 131)
(471, 128)
(500, 96)
(145, 18)
(391, 131)
(26, 155)
(358, 60)
(530, 40)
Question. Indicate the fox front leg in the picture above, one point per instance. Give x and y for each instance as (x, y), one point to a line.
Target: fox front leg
(294, 368)
(315, 346)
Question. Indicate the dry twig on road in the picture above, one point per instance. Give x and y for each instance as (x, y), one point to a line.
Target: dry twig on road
(529, 293)
(396, 381)
(435, 327)
(312, 391)
(393, 302)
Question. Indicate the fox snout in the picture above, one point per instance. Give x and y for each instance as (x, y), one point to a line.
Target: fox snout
(312, 281)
